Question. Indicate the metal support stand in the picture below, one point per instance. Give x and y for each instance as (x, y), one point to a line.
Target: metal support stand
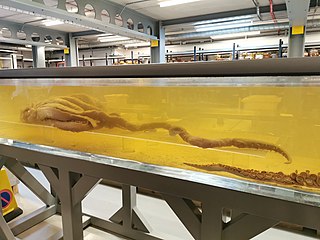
(208, 224)
(218, 217)
(5, 231)
(34, 218)
(187, 212)
(129, 216)
(71, 189)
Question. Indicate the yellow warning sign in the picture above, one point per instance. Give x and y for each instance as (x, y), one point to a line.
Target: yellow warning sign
(297, 30)
(66, 50)
(8, 201)
(154, 43)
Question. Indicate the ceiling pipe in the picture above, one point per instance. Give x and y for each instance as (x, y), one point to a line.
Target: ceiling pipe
(257, 5)
(264, 27)
(131, 3)
(273, 16)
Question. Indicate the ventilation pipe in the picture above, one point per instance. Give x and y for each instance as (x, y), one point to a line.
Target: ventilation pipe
(264, 27)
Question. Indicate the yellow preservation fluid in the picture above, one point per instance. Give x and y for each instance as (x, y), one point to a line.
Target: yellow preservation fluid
(287, 117)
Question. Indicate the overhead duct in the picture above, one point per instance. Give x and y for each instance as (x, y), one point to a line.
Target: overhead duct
(207, 34)
(263, 27)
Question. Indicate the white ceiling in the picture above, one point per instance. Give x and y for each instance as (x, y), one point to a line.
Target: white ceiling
(151, 7)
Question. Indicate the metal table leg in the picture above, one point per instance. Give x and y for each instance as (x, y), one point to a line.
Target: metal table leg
(5, 232)
(71, 189)
(34, 218)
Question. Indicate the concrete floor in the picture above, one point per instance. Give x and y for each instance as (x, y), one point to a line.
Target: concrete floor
(104, 201)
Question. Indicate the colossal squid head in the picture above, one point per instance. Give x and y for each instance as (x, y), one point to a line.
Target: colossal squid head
(29, 114)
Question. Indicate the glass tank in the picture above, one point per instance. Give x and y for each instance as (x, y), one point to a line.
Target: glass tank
(258, 128)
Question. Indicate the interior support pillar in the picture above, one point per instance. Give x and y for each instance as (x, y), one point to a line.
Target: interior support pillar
(39, 58)
(158, 54)
(296, 45)
(72, 59)
(14, 61)
(297, 14)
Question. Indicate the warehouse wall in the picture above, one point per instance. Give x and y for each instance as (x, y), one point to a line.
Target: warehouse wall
(249, 43)
(226, 45)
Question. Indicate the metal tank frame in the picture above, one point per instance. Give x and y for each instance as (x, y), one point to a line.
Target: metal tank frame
(230, 208)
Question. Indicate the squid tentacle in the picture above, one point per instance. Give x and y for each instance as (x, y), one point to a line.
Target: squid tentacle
(78, 113)
(296, 178)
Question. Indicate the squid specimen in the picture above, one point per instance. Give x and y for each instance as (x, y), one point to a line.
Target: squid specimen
(296, 178)
(80, 112)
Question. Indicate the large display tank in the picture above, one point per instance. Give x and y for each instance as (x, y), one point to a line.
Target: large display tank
(263, 129)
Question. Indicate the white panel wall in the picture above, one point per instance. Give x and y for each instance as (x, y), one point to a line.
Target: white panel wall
(249, 43)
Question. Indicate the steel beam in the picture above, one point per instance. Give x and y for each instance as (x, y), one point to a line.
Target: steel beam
(246, 226)
(85, 33)
(26, 222)
(29, 30)
(26, 178)
(34, 8)
(120, 230)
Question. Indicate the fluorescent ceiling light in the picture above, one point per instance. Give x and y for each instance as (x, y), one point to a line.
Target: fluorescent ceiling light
(225, 20)
(104, 35)
(112, 38)
(226, 25)
(141, 44)
(235, 35)
(49, 23)
(170, 3)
